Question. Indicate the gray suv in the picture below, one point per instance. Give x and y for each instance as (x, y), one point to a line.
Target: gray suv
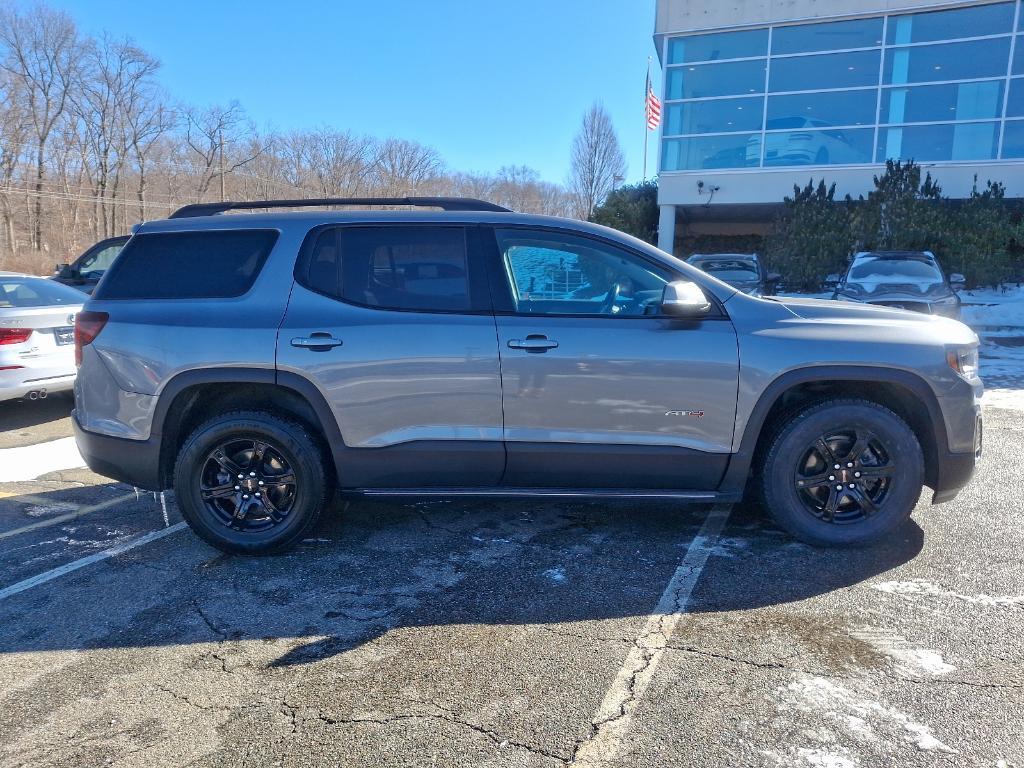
(259, 363)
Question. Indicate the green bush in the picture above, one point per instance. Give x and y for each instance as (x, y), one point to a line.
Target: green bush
(811, 237)
(980, 237)
(632, 209)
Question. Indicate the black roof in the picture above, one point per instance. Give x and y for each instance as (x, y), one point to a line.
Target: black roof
(444, 203)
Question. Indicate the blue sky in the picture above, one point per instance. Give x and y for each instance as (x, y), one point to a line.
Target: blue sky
(486, 83)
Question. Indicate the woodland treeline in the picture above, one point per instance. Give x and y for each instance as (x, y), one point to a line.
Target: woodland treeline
(90, 144)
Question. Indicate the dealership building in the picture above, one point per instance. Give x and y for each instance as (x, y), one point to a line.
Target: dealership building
(762, 95)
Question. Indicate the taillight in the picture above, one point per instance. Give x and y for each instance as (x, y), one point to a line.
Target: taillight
(87, 327)
(14, 335)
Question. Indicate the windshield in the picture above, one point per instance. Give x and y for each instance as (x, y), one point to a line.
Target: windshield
(894, 271)
(729, 269)
(36, 292)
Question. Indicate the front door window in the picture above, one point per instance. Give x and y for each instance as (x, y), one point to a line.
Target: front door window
(563, 274)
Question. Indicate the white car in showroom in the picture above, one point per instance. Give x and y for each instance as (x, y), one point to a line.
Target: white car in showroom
(805, 141)
(37, 336)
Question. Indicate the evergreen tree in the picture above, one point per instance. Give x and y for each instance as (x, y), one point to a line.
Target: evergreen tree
(632, 209)
(812, 237)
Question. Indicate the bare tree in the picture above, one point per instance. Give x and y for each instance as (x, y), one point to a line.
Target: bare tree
(14, 133)
(597, 159)
(214, 134)
(402, 167)
(340, 163)
(39, 51)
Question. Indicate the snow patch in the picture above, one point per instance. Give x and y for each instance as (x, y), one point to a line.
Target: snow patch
(821, 758)
(31, 461)
(1011, 399)
(42, 510)
(822, 698)
(728, 547)
(556, 575)
(922, 588)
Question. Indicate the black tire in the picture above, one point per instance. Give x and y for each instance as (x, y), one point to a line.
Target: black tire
(283, 513)
(878, 455)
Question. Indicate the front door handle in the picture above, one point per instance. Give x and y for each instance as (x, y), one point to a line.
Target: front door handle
(535, 342)
(318, 342)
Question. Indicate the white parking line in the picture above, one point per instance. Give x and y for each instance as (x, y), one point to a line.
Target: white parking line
(612, 720)
(66, 517)
(56, 573)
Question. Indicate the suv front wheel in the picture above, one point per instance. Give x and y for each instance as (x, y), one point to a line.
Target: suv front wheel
(251, 483)
(842, 473)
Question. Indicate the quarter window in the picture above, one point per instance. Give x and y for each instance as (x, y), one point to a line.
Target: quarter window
(562, 274)
(215, 264)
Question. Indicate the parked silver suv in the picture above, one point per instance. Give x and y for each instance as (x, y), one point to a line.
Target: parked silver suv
(256, 363)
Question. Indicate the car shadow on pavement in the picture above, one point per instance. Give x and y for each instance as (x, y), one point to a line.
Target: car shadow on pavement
(19, 414)
(379, 567)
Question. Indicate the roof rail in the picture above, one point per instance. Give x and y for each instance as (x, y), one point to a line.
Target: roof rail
(444, 203)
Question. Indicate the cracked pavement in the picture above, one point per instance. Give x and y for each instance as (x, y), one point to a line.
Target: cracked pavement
(495, 634)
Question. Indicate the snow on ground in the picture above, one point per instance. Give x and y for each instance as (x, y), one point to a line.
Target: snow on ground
(997, 316)
(31, 461)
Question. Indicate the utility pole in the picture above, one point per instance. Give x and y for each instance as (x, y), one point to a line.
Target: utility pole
(222, 192)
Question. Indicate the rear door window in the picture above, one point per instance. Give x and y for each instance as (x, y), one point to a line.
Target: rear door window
(396, 267)
(188, 265)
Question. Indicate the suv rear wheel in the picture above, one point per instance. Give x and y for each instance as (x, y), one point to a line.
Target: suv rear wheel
(842, 473)
(251, 483)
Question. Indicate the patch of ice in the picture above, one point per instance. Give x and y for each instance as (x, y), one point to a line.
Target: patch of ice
(31, 461)
(921, 588)
(822, 698)
(556, 575)
(42, 510)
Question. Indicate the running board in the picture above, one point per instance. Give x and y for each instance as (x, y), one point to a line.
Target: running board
(556, 493)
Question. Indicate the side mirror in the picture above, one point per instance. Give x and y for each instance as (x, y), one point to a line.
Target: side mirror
(831, 281)
(66, 271)
(958, 281)
(684, 299)
(773, 277)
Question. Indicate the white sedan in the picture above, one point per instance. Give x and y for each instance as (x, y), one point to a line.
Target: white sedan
(37, 336)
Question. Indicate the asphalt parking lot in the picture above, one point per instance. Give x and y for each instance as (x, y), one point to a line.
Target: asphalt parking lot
(506, 634)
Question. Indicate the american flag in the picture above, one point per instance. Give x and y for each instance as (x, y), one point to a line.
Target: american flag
(652, 107)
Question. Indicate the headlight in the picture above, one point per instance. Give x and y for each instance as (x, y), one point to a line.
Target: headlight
(756, 293)
(949, 301)
(844, 297)
(963, 360)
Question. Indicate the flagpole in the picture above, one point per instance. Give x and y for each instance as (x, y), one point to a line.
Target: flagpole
(647, 88)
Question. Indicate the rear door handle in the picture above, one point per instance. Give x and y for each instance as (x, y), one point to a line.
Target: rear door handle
(318, 342)
(535, 342)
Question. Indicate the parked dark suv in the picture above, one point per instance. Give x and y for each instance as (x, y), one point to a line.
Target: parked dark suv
(744, 271)
(911, 280)
(257, 363)
(84, 273)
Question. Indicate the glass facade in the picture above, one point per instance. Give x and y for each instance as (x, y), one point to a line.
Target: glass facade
(933, 86)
